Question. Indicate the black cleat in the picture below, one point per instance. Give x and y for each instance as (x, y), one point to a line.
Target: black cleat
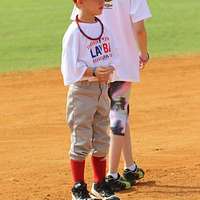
(118, 184)
(80, 192)
(133, 176)
(103, 191)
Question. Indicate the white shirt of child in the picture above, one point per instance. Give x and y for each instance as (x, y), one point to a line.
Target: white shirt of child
(79, 52)
(119, 16)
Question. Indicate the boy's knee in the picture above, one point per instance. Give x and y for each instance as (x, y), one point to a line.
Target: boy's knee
(79, 151)
(101, 150)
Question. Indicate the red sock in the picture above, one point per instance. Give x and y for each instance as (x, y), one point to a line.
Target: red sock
(77, 168)
(99, 168)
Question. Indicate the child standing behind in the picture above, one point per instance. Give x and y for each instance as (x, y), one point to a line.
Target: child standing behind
(87, 63)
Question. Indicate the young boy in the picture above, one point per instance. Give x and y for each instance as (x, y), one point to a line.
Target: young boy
(125, 19)
(88, 58)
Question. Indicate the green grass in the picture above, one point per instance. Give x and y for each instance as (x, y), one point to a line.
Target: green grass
(175, 27)
(31, 31)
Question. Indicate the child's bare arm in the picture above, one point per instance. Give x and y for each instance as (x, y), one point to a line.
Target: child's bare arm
(99, 71)
(102, 73)
(141, 37)
(88, 72)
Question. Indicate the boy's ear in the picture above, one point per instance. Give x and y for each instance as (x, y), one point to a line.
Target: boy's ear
(79, 1)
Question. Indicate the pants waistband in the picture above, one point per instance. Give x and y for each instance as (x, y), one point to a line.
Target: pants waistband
(86, 82)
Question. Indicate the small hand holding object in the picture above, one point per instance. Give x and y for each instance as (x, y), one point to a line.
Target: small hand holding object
(144, 58)
(103, 73)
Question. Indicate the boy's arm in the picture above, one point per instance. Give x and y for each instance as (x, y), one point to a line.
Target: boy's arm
(88, 72)
(141, 37)
(72, 69)
(101, 73)
(139, 11)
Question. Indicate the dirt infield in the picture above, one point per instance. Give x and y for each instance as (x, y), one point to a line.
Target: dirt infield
(165, 119)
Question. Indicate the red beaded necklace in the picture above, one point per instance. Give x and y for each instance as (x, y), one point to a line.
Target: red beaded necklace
(88, 37)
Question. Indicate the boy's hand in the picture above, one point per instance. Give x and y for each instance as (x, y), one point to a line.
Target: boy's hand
(111, 68)
(103, 73)
(144, 58)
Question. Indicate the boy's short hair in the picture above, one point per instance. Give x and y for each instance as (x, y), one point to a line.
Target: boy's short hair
(75, 1)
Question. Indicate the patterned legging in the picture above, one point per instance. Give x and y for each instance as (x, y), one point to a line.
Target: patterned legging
(119, 92)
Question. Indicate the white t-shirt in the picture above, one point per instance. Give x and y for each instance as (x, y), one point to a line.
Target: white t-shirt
(79, 52)
(119, 16)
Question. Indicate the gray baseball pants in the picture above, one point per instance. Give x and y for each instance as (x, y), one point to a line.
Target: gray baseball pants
(88, 108)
